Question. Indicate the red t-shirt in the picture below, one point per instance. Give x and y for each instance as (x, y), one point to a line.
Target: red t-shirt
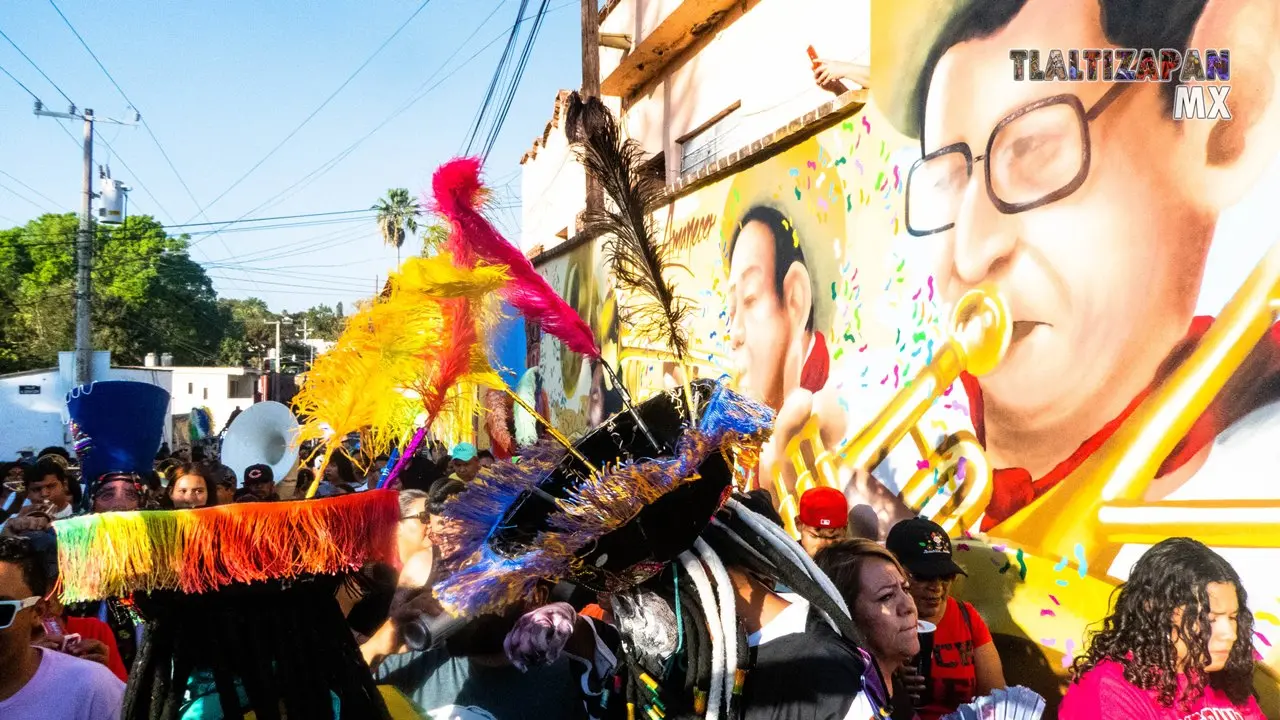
(953, 678)
(95, 629)
(1104, 694)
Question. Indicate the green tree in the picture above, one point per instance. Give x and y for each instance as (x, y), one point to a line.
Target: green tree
(398, 213)
(148, 294)
(435, 233)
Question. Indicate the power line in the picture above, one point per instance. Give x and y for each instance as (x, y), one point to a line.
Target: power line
(37, 192)
(37, 67)
(322, 105)
(278, 226)
(497, 76)
(21, 196)
(159, 146)
(24, 87)
(523, 63)
(423, 91)
(333, 162)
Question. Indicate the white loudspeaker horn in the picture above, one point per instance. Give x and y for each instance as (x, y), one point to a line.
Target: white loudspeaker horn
(263, 434)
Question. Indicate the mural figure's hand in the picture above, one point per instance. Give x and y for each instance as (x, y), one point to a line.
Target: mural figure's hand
(859, 485)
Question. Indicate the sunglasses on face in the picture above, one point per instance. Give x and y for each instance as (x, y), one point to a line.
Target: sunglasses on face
(9, 609)
(421, 517)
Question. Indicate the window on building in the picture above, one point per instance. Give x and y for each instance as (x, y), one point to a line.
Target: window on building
(240, 387)
(191, 388)
(710, 142)
(206, 393)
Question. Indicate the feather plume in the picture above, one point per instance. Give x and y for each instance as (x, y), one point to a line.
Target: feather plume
(460, 363)
(400, 355)
(640, 261)
(457, 193)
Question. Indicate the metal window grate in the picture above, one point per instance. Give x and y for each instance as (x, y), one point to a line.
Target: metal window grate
(709, 145)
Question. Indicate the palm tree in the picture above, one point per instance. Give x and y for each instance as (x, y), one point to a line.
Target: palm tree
(397, 212)
(435, 233)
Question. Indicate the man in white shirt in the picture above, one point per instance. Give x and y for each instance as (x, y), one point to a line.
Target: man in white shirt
(37, 683)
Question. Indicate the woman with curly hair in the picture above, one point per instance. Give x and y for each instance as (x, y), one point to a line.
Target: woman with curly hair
(1178, 645)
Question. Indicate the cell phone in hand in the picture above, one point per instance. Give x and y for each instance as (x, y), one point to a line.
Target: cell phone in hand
(52, 626)
(813, 55)
(70, 642)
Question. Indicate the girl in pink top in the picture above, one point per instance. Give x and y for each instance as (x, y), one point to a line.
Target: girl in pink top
(1178, 645)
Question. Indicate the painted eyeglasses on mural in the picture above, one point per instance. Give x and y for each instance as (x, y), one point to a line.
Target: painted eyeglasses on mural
(1036, 155)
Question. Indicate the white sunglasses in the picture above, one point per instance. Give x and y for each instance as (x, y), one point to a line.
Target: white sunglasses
(9, 609)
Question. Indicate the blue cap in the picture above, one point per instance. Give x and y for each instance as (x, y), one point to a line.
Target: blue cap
(117, 426)
(463, 452)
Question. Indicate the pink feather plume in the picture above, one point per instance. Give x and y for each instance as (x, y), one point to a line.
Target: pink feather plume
(457, 191)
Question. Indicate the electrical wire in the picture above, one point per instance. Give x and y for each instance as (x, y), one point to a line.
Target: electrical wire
(324, 168)
(514, 86)
(24, 87)
(21, 196)
(37, 192)
(497, 77)
(37, 67)
(322, 105)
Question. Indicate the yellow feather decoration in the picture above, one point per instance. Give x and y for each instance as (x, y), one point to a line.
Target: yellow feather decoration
(375, 379)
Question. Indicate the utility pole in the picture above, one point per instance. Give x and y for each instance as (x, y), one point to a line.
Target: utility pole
(306, 338)
(590, 49)
(591, 83)
(84, 241)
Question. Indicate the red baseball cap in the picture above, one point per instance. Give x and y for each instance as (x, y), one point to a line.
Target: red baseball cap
(824, 507)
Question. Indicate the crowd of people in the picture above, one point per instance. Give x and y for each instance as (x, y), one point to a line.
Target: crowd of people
(1178, 641)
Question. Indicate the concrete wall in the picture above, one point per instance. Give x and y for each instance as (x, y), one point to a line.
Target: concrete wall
(38, 420)
(30, 421)
(215, 388)
(759, 62)
(552, 189)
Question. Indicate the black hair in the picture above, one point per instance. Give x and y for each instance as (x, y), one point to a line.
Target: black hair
(285, 642)
(55, 450)
(786, 248)
(441, 491)
(1126, 23)
(420, 473)
(1173, 575)
(342, 465)
(484, 454)
(37, 472)
(19, 551)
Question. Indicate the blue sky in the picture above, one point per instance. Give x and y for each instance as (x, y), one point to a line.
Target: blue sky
(221, 83)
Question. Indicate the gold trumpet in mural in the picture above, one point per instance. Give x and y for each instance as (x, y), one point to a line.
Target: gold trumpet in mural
(980, 332)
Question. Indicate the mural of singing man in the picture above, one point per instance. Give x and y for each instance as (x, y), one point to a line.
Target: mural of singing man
(775, 346)
(1094, 216)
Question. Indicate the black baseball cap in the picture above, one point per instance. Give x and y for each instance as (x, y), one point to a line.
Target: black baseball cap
(923, 548)
(255, 474)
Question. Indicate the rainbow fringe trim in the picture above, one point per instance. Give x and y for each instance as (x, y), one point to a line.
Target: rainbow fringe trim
(196, 551)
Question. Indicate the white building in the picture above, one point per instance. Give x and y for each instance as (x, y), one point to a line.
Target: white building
(33, 410)
(220, 389)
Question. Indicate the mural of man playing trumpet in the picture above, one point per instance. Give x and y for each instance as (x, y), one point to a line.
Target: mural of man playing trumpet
(1092, 212)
